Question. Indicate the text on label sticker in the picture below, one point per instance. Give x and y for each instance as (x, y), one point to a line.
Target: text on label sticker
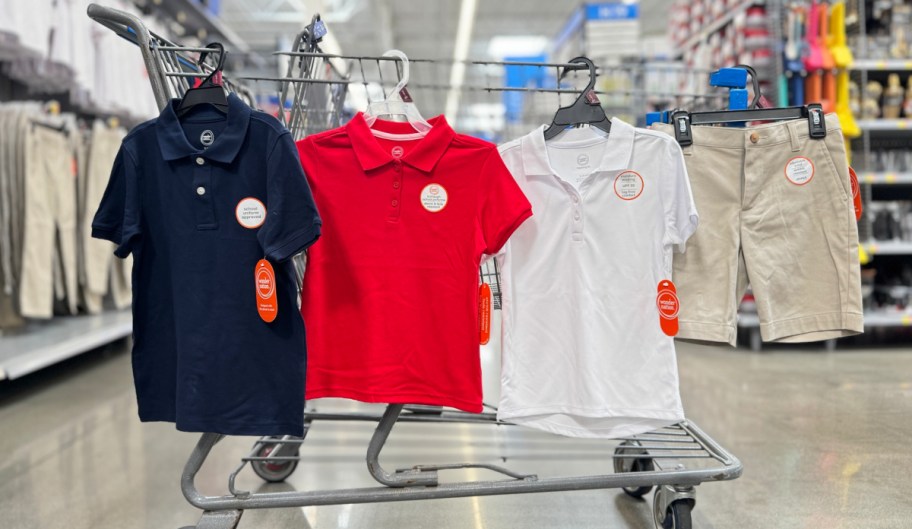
(799, 170)
(434, 197)
(250, 213)
(628, 185)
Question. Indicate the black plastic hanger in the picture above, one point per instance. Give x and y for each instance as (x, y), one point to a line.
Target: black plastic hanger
(586, 110)
(682, 120)
(208, 92)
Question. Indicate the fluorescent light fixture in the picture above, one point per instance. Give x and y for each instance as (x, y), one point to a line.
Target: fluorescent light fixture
(460, 52)
(503, 46)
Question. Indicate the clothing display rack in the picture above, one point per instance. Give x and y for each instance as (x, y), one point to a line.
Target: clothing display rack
(673, 460)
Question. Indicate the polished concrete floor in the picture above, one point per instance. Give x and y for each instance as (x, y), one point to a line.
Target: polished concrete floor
(824, 439)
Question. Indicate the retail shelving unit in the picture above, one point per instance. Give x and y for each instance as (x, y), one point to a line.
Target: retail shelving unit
(885, 125)
(890, 65)
(885, 178)
(42, 343)
(879, 182)
(695, 41)
(888, 248)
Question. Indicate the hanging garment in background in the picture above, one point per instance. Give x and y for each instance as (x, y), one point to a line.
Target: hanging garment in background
(391, 292)
(584, 353)
(198, 202)
(98, 254)
(49, 235)
(778, 215)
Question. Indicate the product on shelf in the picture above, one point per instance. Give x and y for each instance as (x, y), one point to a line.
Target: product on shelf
(893, 97)
(855, 99)
(907, 103)
(901, 16)
(870, 107)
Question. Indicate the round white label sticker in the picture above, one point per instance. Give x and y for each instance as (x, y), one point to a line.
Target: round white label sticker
(433, 197)
(799, 170)
(628, 185)
(250, 213)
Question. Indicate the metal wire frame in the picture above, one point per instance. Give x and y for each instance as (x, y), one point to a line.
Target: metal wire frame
(170, 66)
(358, 74)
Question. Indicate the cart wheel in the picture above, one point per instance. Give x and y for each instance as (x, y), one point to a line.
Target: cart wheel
(633, 465)
(273, 471)
(676, 516)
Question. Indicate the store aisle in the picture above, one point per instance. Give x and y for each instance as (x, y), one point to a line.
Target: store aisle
(822, 438)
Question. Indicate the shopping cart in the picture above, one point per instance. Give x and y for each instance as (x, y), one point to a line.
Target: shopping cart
(672, 460)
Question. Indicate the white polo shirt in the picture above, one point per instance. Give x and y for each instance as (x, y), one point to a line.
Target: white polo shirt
(584, 354)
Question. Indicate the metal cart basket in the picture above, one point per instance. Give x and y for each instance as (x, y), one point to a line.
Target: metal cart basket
(673, 460)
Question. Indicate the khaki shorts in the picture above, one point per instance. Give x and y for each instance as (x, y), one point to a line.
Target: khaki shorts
(776, 212)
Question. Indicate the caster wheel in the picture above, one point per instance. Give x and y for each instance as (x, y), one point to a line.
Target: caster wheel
(633, 465)
(676, 515)
(273, 471)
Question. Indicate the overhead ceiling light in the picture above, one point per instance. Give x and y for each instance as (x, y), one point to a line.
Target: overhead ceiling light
(503, 46)
(460, 52)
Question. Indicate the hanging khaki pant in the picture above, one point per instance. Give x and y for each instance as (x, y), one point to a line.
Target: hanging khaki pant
(49, 235)
(99, 261)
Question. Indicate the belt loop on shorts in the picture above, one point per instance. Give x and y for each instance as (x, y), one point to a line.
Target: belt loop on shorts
(688, 149)
(793, 135)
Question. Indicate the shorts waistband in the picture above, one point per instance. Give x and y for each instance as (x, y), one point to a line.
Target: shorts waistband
(766, 134)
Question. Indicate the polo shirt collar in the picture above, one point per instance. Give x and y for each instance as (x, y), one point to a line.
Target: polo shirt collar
(174, 143)
(423, 156)
(617, 156)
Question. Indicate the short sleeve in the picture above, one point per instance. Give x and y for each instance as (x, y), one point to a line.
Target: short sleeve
(292, 222)
(502, 205)
(681, 218)
(118, 216)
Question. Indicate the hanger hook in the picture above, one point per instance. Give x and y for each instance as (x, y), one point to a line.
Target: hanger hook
(593, 73)
(220, 48)
(755, 82)
(405, 70)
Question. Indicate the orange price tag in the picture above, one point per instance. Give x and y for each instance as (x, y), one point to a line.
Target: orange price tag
(484, 313)
(266, 291)
(856, 196)
(667, 303)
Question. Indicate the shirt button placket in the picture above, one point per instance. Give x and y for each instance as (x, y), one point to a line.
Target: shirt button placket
(202, 186)
(396, 192)
(576, 229)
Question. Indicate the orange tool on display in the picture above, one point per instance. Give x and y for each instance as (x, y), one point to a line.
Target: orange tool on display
(813, 59)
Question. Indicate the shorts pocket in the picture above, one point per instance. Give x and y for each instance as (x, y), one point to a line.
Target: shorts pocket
(833, 170)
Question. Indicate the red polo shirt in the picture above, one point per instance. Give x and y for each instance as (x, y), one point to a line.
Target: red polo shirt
(391, 290)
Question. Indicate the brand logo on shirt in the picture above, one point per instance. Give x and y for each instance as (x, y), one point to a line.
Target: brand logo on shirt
(397, 152)
(628, 185)
(207, 137)
(582, 160)
(250, 213)
(799, 170)
(434, 198)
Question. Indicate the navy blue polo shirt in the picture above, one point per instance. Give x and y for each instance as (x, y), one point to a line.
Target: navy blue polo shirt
(198, 201)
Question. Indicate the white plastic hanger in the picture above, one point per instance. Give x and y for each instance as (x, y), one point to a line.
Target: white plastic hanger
(393, 105)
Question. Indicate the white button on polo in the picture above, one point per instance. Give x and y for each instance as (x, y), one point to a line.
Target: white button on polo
(200, 161)
(576, 216)
(575, 199)
(200, 190)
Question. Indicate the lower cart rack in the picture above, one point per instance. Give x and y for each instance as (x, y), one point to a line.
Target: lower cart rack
(673, 460)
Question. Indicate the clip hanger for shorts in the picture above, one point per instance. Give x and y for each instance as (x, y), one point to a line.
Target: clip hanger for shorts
(813, 113)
